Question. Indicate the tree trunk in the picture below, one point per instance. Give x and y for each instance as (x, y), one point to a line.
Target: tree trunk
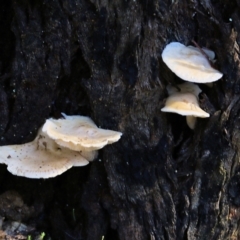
(103, 59)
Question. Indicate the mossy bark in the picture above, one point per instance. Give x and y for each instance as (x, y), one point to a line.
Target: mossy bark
(103, 59)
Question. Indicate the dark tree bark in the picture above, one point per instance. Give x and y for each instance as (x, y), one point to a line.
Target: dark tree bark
(103, 59)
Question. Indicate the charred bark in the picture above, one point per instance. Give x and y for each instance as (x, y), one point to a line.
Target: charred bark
(103, 59)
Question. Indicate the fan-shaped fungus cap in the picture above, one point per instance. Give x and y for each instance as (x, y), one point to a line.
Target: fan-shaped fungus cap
(185, 104)
(41, 158)
(79, 133)
(189, 64)
(186, 87)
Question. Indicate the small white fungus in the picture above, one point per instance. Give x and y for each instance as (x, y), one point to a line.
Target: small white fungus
(190, 64)
(41, 158)
(79, 133)
(185, 104)
(186, 87)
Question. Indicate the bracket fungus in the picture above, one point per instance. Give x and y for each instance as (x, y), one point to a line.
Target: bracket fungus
(79, 133)
(41, 158)
(45, 158)
(185, 88)
(185, 103)
(190, 64)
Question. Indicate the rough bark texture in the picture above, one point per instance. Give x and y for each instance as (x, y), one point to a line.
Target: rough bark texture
(103, 59)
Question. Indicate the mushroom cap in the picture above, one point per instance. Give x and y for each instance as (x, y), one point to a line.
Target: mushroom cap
(185, 104)
(41, 158)
(186, 87)
(79, 133)
(189, 63)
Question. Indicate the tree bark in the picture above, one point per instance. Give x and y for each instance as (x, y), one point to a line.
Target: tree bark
(103, 59)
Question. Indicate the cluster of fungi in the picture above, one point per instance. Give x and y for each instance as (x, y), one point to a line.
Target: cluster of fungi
(193, 65)
(59, 145)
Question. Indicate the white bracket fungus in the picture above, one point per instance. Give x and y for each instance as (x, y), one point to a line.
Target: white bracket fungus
(185, 103)
(190, 64)
(185, 88)
(79, 133)
(76, 137)
(41, 158)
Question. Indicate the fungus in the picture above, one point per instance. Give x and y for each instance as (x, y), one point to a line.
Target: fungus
(189, 63)
(59, 145)
(79, 133)
(41, 158)
(185, 104)
(185, 88)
